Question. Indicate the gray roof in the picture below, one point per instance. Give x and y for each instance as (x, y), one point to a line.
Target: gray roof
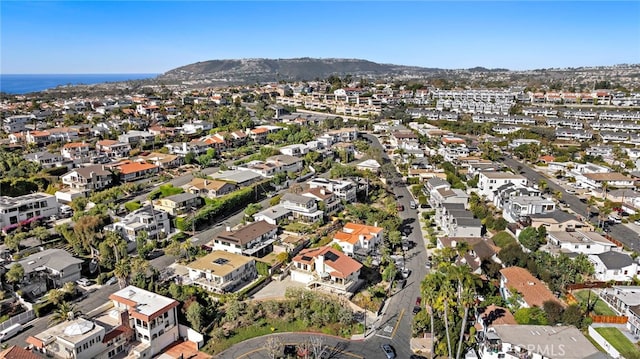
(453, 206)
(296, 198)
(286, 159)
(468, 222)
(615, 260)
(44, 155)
(237, 176)
(181, 197)
(56, 259)
(86, 172)
(541, 338)
(436, 181)
(274, 212)
(559, 216)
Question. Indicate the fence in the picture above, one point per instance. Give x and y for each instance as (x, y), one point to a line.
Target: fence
(590, 285)
(603, 343)
(19, 318)
(609, 319)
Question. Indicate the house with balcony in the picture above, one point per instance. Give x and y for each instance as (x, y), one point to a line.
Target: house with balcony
(358, 239)
(614, 266)
(179, 204)
(489, 182)
(143, 221)
(343, 189)
(443, 196)
(512, 341)
(324, 198)
(209, 188)
(47, 269)
(294, 150)
(625, 300)
(22, 210)
(162, 160)
(222, 272)
(130, 171)
(302, 208)
(47, 159)
(113, 149)
(77, 151)
(522, 206)
(16, 123)
(255, 239)
(153, 319)
(532, 292)
(326, 268)
(77, 338)
(135, 138)
(183, 148)
(88, 179)
(286, 163)
(583, 242)
(612, 179)
(571, 134)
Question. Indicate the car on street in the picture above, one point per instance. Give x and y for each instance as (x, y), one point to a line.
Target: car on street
(290, 351)
(388, 351)
(416, 309)
(405, 272)
(400, 208)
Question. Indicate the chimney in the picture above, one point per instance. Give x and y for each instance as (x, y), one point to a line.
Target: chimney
(454, 244)
(205, 183)
(322, 191)
(228, 229)
(124, 318)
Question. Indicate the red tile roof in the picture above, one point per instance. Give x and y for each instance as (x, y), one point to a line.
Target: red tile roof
(351, 232)
(16, 352)
(534, 292)
(134, 167)
(342, 264)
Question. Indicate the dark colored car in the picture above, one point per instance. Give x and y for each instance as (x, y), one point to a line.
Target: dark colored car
(290, 350)
(417, 309)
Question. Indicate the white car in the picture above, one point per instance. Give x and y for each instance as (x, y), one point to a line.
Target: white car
(83, 282)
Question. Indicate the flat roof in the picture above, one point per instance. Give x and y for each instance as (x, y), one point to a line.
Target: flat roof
(580, 237)
(236, 176)
(74, 331)
(565, 342)
(220, 263)
(501, 175)
(143, 302)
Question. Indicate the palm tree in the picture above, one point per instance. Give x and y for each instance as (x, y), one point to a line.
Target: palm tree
(430, 295)
(55, 296)
(468, 299)
(65, 311)
(444, 295)
(115, 241)
(122, 270)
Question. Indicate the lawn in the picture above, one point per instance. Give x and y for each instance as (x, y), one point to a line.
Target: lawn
(502, 239)
(619, 341)
(601, 308)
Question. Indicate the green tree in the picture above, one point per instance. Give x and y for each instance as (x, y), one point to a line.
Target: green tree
(529, 239)
(122, 271)
(390, 271)
(55, 296)
(65, 311)
(15, 274)
(195, 315)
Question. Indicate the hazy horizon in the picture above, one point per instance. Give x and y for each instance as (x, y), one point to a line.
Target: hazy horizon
(154, 37)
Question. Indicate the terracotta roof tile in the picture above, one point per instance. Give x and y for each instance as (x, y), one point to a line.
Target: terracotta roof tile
(534, 292)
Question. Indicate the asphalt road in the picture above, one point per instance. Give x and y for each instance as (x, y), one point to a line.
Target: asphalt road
(619, 232)
(86, 307)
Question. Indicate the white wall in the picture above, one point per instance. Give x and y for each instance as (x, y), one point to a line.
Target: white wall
(603, 343)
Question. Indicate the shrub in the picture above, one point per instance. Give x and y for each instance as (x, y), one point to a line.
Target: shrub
(42, 309)
(132, 206)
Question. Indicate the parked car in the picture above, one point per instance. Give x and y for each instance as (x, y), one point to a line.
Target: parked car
(388, 351)
(400, 208)
(290, 350)
(405, 272)
(84, 282)
(10, 332)
(416, 309)
(111, 281)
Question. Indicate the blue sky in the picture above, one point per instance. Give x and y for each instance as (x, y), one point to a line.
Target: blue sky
(156, 36)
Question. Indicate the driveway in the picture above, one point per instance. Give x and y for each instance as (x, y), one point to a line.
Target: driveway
(276, 289)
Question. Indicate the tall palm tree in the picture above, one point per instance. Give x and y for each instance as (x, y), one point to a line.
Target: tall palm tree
(428, 289)
(122, 270)
(115, 241)
(468, 300)
(444, 295)
(65, 311)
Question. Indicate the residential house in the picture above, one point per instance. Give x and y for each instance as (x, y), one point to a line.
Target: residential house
(488, 182)
(89, 178)
(612, 179)
(273, 215)
(130, 171)
(264, 169)
(294, 150)
(135, 138)
(614, 265)
(221, 271)
(77, 151)
(162, 160)
(17, 123)
(479, 250)
(509, 341)
(286, 163)
(153, 318)
(255, 239)
(531, 291)
(51, 268)
(370, 165)
(493, 315)
(326, 198)
(326, 268)
(113, 149)
(241, 178)
(183, 148)
(77, 338)
(518, 207)
(584, 242)
(343, 189)
(22, 210)
(626, 301)
(179, 204)
(358, 239)
(143, 221)
(47, 159)
(16, 352)
(556, 221)
(302, 207)
(209, 188)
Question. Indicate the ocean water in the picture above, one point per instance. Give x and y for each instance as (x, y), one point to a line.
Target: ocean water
(21, 84)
